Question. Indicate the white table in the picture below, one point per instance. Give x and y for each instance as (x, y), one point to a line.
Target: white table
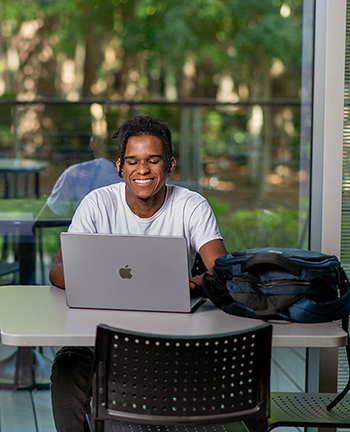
(39, 316)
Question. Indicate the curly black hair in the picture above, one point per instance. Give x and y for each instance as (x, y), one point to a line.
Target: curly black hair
(143, 125)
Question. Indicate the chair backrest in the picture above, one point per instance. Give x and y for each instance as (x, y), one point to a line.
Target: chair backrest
(198, 267)
(170, 380)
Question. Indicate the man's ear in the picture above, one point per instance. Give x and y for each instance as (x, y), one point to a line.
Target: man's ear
(172, 166)
(118, 166)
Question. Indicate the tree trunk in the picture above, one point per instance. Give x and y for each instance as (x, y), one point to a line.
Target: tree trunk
(90, 65)
(187, 81)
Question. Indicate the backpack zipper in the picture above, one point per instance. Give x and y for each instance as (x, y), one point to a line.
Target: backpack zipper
(268, 285)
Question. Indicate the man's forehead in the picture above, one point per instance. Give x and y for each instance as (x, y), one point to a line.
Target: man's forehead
(145, 144)
(143, 137)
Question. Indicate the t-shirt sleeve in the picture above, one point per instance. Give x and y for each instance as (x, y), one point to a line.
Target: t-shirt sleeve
(203, 226)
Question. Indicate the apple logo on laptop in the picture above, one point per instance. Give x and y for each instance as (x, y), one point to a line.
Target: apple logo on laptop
(125, 272)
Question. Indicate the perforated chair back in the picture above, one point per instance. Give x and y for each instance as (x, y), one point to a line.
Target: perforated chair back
(169, 380)
(198, 267)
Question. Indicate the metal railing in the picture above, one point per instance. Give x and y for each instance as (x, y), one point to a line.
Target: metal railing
(190, 122)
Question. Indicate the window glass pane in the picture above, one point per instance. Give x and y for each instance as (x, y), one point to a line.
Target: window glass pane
(343, 366)
(234, 86)
(345, 255)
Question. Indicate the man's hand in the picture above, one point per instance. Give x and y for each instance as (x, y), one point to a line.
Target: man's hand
(56, 272)
(209, 252)
(196, 286)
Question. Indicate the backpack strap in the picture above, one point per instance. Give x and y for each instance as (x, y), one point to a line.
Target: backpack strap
(272, 259)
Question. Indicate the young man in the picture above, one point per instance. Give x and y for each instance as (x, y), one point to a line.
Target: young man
(143, 205)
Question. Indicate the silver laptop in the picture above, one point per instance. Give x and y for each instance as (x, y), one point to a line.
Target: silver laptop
(144, 273)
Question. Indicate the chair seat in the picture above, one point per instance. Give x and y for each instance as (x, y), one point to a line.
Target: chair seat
(308, 409)
(118, 426)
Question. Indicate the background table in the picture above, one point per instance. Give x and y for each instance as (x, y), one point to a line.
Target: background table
(16, 167)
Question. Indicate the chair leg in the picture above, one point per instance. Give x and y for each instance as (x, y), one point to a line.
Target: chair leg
(99, 426)
(4, 248)
(94, 425)
(256, 425)
(263, 425)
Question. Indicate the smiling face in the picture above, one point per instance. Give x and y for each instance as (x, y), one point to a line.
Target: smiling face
(145, 174)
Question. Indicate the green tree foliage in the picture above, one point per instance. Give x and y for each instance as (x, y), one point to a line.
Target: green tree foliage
(158, 35)
(247, 228)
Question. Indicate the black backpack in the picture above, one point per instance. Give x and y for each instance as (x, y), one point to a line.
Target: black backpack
(298, 285)
(294, 284)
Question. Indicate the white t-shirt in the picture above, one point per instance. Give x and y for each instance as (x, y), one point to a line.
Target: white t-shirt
(77, 181)
(184, 213)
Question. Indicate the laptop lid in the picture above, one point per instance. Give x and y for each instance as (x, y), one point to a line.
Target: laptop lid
(108, 271)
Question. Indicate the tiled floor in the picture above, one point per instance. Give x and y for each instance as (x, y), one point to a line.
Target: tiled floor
(24, 410)
(28, 411)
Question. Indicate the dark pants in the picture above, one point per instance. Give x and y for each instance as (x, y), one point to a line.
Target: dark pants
(71, 381)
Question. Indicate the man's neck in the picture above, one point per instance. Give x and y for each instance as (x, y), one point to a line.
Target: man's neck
(144, 208)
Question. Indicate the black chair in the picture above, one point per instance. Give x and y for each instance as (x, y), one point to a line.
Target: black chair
(198, 267)
(308, 410)
(7, 268)
(146, 382)
(37, 229)
(327, 410)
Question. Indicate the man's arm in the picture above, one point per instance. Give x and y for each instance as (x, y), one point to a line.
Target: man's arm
(56, 272)
(208, 252)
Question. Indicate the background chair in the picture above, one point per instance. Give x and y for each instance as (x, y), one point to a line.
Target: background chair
(9, 268)
(312, 409)
(37, 229)
(6, 267)
(308, 410)
(142, 380)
